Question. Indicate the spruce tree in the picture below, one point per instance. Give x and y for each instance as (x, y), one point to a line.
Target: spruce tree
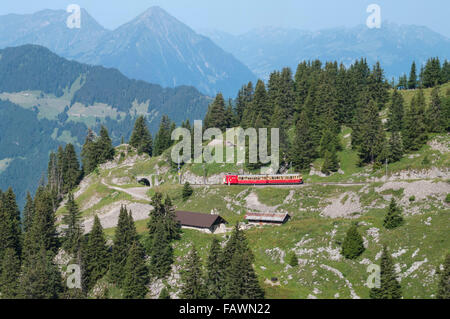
(412, 82)
(136, 273)
(28, 213)
(371, 135)
(9, 274)
(42, 232)
(163, 137)
(74, 230)
(395, 144)
(40, 277)
(389, 286)
(215, 272)
(353, 245)
(141, 138)
(434, 114)
(193, 286)
(124, 236)
(216, 117)
(302, 153)
(187, 191)
(89, 153)
(10, 229)
(240, 277)
(72, 173)
(444, 280)
(105, 150)
(330, 162)
(160, 252)
(96, 256)
(414, 130)
(393, 217)
(396, 112)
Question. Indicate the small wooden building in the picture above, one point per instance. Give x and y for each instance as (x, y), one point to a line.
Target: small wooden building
(267, 218)
(205, 222)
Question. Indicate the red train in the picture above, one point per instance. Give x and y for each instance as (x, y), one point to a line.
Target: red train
(287, 179)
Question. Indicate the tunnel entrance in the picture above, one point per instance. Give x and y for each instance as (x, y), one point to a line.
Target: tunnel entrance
(144, 181)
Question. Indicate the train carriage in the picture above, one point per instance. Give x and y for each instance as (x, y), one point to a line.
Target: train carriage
(285, 179)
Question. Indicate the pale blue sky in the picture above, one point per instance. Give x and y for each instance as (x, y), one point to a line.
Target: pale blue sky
(238, 16)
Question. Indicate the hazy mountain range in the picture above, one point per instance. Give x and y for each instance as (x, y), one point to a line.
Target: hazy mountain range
(267, 49)
(154, 47)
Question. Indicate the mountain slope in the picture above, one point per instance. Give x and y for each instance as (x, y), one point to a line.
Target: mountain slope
(321, 213)
(154, 47)
(47, 100)
(395, 46)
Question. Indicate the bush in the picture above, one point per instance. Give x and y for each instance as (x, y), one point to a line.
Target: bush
(412, 198)
(293, 260)
(447, 198)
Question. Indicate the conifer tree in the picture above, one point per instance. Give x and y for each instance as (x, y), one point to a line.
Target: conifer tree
(330, 162)
(40, 277)
(96, 256)
(395, 144)
(432, 73)
(72, 173)
(193, 286)
(216, 117)
(42, 232)
(396, 112)
(434, 114)
(414, 130)
(28, 213)
(444, 280)
(89, 153)
(187, 191)
(240, 277)
(243, 99)
(412, 82)
(215, 272)
(141, 138)
(353, 245)
(160, 252)
(124, 237)
(163, 137)
(104, 146)
(389, 286)
(9, 274)
(74, 230)
(136, 273)
(302, 149)
(393, 217)
(371, 135)
(10, 229)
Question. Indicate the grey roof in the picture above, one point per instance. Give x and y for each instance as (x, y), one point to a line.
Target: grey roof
(270, 217)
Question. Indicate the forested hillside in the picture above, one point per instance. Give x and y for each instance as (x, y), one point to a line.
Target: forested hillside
(47, 100)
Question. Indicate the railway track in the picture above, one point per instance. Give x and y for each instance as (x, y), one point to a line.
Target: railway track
(289, 186)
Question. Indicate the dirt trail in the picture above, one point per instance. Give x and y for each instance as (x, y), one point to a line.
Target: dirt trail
(136, 192)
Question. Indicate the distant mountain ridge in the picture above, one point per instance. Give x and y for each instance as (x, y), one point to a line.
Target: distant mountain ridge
(395, 46)
(46, 101)
(154, 47)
